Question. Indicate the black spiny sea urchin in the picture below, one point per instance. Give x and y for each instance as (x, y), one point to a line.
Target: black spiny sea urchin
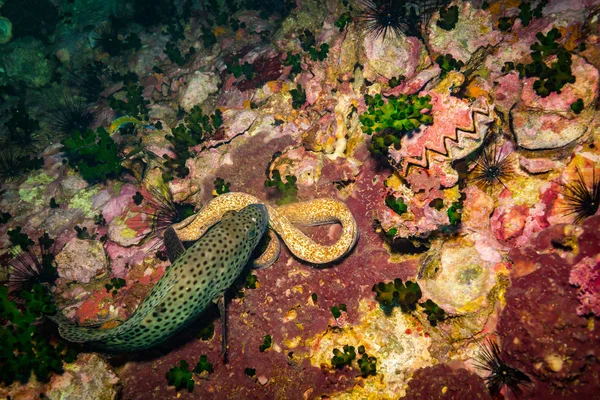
(30, 267)
(391, 17)
(581, 200)
(71, 114)
(500, 374)
(492, 168)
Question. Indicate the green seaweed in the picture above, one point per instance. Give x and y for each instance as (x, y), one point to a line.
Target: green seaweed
(266, 344)
(396, 204)
(367, 365)
(337, 310)
(4, 217)
(434, 312)
(174, 54)
(238, 70)
(527, 14)
(203, 365)
(341, 359)
(448, 18)
(551, 79)
(505, 24)
(93, 154)
(181, 377)
(391, 120)
(577, 106)
(397, 294)
(343, 20)
(18, 238)
(287, 190)
(447, 63)
(137, 198)
(319, 54)
(396, 81)
(293, 60)
(25, 349)
(136, 104)
(114, 285)
(454, 213)
(221, 186)
(251, 281)
(298, 97)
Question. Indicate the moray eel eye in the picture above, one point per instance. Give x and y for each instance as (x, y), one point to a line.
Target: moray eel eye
(251, 233)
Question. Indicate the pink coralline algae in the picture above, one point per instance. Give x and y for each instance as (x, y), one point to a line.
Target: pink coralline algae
(586, 276)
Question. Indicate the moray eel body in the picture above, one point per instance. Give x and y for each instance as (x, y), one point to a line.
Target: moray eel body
(199, 276)
(282, 220)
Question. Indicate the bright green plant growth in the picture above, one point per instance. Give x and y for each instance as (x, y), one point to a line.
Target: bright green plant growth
(454, 213)
(266, 344)
(448, 18)
(341, 359)
(406, 296)
(505, 24)
(206, 332)
(221, 186)
(287, 190)
(196, 127)
(393, 119)
(135, 106)
(137, 198)
(298, 97)
(434, 312)
(4, 217)
(319, 54)
(238, 70)
(294, 60)
(343, 20)
(25, 350)
(174, 54)
(251, 281)
(577, 106)
(526, 13)
(208, 37)
(114, 285)
(337, 310)
(396, 81)
(18, 238)
(397, 294)
(203, 365)
(93, 154)
(550, 78)
(181, 377)
(367, 365)
(396, 204)
(447, 63)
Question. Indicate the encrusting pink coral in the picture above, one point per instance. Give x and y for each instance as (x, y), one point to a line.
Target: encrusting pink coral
(586, 275)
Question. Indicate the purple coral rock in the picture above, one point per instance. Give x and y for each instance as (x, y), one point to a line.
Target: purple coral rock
(444, 382)
(542, 334)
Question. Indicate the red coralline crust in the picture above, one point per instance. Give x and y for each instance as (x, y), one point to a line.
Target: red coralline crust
(541, 333)
(443, 382)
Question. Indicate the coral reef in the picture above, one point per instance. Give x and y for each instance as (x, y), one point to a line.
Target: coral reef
(462, 137)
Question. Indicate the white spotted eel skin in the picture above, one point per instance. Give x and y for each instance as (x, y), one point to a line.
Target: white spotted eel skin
(282, 220)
